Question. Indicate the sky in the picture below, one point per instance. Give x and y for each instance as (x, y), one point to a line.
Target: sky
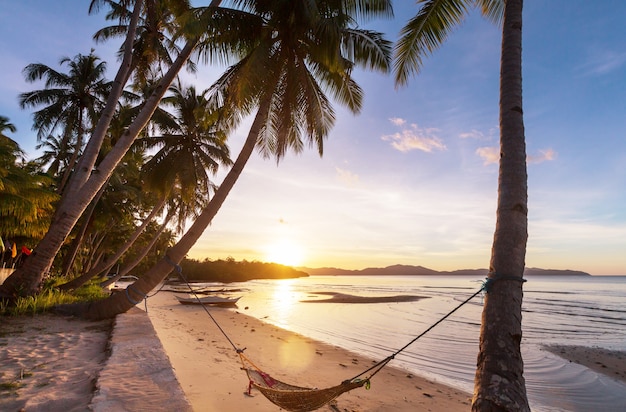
(411, 179)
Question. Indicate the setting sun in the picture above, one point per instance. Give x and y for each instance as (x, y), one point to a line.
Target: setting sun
(284, 253)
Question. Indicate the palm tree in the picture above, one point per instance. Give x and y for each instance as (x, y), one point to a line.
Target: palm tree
(72, 101)
(499, 382)
(5, 124)
(194, 144)
(84, 184)
(56, 154)
(120, 181)
(26, 200)
(197, 148)
(154, 44)
(290, 48)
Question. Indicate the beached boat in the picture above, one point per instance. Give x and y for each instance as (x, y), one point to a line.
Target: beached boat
(208, 300)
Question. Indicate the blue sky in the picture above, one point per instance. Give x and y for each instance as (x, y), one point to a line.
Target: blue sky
(412, 178)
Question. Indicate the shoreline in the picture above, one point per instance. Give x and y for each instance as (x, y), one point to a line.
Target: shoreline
(208, 367)
(610, 363)
(52, 362)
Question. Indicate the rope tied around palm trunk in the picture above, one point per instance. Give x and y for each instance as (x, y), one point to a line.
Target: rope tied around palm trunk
(494, 276)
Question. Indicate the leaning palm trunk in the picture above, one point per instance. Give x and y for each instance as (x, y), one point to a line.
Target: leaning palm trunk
(72, 162)
(499, 382)
(99, 269)
(85, 182)
(121, 302)
(70, 257)
(142, 254)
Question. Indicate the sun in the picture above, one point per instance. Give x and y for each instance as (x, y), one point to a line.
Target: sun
(284, 252)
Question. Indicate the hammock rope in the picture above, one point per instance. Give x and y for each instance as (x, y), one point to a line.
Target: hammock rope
(301, 399)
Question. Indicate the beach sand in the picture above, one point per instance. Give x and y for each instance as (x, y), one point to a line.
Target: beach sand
(52, 363)
(209, 370)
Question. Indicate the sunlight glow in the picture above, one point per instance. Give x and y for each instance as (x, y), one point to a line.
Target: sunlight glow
(283, 299)
(284, 253)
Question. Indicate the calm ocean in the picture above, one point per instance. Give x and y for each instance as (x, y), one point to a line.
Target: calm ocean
(586, 311)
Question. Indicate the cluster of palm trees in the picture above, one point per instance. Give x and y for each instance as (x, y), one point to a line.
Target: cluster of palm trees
(136, 155)
(165, 174)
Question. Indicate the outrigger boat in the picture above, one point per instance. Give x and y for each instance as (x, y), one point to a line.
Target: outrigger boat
(208, 300)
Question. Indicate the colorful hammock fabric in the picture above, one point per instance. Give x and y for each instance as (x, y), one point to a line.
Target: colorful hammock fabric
(296, 398)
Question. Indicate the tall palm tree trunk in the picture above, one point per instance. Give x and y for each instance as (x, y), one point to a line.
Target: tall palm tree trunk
(121, 302)
(499, 381)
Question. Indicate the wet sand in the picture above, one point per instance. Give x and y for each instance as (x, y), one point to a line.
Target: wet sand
(604, 361)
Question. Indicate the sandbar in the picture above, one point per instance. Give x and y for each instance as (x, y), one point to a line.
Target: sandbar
(611, 363)
(347, 298)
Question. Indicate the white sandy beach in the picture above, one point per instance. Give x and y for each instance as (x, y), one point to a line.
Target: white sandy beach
(54, 363)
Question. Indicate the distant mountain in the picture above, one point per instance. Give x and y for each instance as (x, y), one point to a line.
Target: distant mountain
(408, 270)
(554, 272)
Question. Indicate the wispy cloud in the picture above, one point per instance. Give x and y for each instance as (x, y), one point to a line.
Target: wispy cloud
(478, 135)
(414, 137)
(603, 62)
(397, 121)
(491, 155)
(473, 134)
(347, 177)
(543, 156)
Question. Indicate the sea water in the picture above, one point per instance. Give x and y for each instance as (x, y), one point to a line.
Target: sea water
(585, 311)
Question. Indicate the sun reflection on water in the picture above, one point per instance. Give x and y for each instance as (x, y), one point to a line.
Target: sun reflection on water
(284, 298)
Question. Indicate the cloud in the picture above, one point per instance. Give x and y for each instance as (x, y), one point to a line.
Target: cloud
(414, 138)
(347, 177)
(491, 155)
(603, 62)
(544, 155)
(474, 134)
(397, 121)
(478, 135)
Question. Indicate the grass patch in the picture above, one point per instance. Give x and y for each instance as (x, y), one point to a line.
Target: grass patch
(51, 296)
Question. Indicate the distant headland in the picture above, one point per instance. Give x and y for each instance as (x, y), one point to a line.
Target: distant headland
(409, 270)
(230, 270)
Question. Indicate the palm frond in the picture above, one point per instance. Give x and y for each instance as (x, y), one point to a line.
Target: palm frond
(492, 10)
(425, 33)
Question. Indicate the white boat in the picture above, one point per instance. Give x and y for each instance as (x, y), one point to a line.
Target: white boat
(208, 300)
(123, 282)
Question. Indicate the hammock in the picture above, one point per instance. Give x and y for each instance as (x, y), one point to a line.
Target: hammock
(296, 398)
